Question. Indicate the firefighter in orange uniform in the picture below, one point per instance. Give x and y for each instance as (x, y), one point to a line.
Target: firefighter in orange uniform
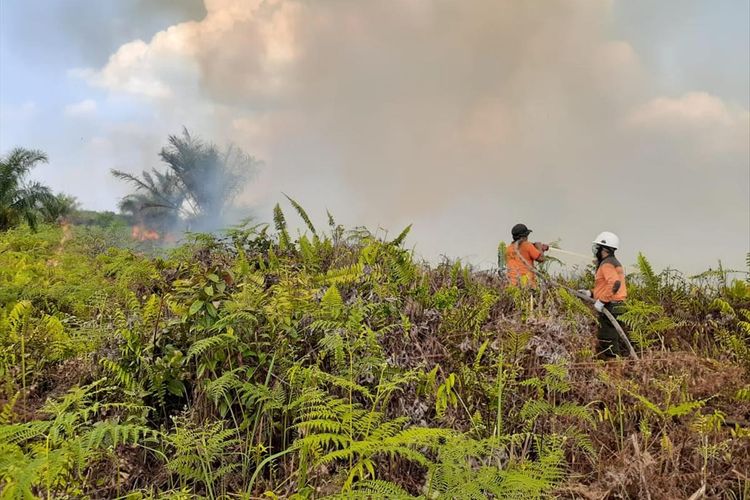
(610, 292)
(521, 255)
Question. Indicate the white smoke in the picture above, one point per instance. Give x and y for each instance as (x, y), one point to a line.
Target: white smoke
(462, 117)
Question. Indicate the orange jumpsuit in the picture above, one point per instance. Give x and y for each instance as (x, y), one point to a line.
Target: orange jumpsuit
(518, 268)
(610, 288)
(609, 282)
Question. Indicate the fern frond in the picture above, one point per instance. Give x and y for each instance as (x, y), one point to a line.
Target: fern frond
(651, 280)
(533, 409)
(398, 240)
(20, 433)
(722, 306)
(267, 398)
(332, 303)
(381, 489)
(743, 394)
(121, 374)
(302, 214)
(684, 408)
(111, 434)
(570, 409)
(343, 275)
(333, 344)
(280, 224)
(218, 389)
(323, 440)
(19, 313)
(204, 345)
(6, 414)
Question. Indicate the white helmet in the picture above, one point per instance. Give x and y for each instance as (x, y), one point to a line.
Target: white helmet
(607, 239)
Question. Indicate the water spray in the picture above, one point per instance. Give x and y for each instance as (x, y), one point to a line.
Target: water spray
(559, 250)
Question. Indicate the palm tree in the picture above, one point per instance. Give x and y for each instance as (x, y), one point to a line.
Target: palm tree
(21, 200)
(59, 207)
(157, 202)
(200, 184)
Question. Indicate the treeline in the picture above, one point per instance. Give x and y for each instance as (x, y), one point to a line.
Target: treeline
(24, 201)
(194, 188)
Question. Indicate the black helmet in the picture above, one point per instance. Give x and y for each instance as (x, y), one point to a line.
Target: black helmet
(519, 231)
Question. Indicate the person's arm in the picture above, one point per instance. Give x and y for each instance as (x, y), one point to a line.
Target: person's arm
(540, 249)
(533, 252)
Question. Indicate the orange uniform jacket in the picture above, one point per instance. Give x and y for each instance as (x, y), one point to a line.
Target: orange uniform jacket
(609, 282)
(516, 267)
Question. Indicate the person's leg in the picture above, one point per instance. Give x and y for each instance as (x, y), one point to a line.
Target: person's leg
(622, 348)
(607, 336)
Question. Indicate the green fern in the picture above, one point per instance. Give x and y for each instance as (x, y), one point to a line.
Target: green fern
(120, 373)
(202, 454)
(344, 275)
(375, 488)
(262, 398)
(207, 345)
(108, 434)
(573, 306)
(218, 389)
(398, 240)
(722, 306)
(647, 323)
(336, 430)
(468, 468)
(302, 214)
(332, 305)
(333, 345)
(53, 455)
(743, 394)
(280, 224)
(651, 280)
(735, 340)
(308, 252)
(514, 343)
(6, 413)
(668, 408)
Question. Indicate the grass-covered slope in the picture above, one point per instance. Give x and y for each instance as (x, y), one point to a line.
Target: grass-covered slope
(336, 365)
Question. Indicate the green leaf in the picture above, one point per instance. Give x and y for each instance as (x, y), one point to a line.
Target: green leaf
(195, 307)
(176, 387)
(213, 277)
(209, 290)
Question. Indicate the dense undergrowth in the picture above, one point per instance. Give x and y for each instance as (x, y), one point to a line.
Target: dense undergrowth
(334, 364)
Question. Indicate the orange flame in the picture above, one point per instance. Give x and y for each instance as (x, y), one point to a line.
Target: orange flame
(141, 233)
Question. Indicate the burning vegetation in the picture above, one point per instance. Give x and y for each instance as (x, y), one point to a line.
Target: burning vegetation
(194, 191)
(139, 232)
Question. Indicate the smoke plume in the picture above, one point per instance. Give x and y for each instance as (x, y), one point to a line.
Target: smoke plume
(462, 117)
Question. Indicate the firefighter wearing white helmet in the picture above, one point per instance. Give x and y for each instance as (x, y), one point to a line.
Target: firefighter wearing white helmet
(610, 292)
(607, 240)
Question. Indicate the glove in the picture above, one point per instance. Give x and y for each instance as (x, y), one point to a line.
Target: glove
(587, 293)
(545, 247)
(599, 305)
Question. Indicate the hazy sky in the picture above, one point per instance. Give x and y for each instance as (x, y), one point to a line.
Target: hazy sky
(572, 116)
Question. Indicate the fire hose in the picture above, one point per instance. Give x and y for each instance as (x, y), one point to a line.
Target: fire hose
(607, 313)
